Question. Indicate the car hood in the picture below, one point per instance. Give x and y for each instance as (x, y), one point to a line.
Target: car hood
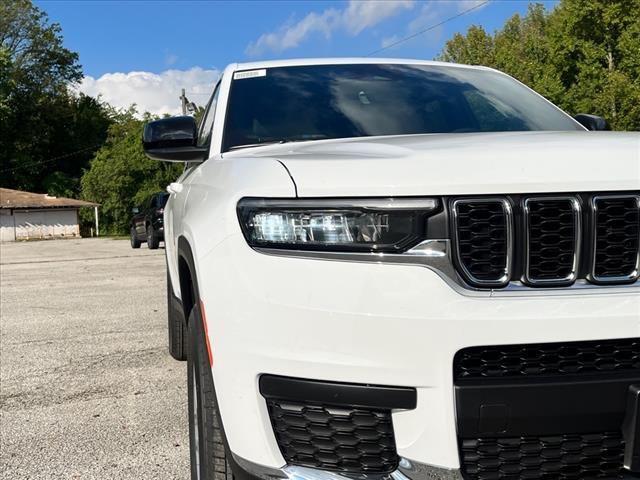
(467, 163)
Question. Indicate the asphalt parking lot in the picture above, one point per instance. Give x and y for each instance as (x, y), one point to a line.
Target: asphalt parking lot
(87, 387)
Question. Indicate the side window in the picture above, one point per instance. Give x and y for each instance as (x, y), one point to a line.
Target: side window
(206, 126)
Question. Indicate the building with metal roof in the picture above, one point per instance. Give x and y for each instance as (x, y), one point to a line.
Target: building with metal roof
(27, 216)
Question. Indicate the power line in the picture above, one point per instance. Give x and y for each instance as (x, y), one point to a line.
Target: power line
(42, 162)
(402, 40)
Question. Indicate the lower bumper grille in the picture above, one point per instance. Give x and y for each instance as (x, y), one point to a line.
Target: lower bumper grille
(548, 359)
(547, 411)
(557, 457)
(341, 427)
(334, 438)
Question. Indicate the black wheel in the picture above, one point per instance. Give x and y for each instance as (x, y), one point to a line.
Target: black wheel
(153, 241)
(135, 243)
(177, 330)
(207, 448)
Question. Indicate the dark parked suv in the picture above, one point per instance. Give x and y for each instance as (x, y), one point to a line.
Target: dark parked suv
(146, 224)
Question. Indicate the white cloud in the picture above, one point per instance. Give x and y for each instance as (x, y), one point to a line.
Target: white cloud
(291, 35)
(430, 14)
(356, 17)
(360, 15)
(156, 93)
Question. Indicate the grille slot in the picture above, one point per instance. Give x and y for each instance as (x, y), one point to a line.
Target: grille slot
(561, 457)
(483, 230)
(553, 240)
(356, 440)
(548, 359)
(616, 238)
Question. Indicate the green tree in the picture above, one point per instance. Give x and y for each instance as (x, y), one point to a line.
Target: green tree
(592, 45)
(476, 47)
(584, 55)
(47, 133)
(121, 176)
(6, 84)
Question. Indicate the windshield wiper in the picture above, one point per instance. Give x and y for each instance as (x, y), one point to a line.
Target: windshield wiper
(251, 145)
(308, 138)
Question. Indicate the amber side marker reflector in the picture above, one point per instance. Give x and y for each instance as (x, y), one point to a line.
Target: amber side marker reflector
(206, 332)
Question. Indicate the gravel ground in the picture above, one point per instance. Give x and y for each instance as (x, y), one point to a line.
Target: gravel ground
(87, 387)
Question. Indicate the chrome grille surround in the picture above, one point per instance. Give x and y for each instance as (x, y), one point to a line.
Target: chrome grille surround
(506, 273)
(576, 209)
(634, 274)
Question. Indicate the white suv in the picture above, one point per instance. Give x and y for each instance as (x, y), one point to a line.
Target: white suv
(402, 269)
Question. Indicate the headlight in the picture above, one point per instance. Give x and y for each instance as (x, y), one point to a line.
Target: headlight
(379, 225)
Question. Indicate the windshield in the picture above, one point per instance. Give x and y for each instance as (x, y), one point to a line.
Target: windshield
(339, 101)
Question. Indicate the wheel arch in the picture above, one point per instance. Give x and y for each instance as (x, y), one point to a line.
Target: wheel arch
(187, 277)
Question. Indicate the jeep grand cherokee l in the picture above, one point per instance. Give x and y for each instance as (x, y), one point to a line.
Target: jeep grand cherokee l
(402, 269)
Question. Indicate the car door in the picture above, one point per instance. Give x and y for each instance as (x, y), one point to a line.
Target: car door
(141, 231)
(148, 215)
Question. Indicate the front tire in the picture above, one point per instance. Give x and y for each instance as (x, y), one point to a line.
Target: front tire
(153, 242)
(135, 243)
(207, 449)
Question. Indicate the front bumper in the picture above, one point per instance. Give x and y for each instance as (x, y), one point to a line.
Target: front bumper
(396, 325)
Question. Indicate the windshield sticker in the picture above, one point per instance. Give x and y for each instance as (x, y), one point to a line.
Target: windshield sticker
(250, 74)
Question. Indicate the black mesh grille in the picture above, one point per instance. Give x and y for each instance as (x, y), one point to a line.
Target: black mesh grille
(334, 438)
(544, 359)
(559, 457)
(617, 237)
(552, 238)
(482, 241)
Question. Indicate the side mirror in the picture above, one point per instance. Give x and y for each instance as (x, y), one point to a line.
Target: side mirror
(135, 210)
(592, 122)
(173, 140)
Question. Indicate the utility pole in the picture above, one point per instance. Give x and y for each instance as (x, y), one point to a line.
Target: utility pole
(188, 107)
(184, 101)
(95, 210)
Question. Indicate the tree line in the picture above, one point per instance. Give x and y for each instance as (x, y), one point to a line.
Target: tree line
(583, 55)
(55, 140)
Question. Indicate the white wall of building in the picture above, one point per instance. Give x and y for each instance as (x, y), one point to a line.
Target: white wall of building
(7, 226)
(39, 224)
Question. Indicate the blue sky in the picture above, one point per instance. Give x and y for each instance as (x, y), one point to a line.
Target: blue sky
(142, 51)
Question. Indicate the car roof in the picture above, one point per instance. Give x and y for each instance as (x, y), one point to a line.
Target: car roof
(344, 61)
